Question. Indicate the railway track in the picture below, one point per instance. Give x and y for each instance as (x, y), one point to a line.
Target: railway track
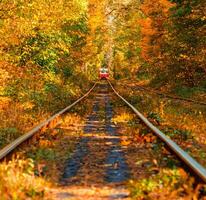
(168, 96)
(101, 133)
(185, 157)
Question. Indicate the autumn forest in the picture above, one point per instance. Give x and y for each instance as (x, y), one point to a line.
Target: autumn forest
(50, 55)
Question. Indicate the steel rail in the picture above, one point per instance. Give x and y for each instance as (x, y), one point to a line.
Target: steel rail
(10, 147)
(185, 157)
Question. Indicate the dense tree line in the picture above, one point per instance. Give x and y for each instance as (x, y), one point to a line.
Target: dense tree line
(164, 42)
(47, 53)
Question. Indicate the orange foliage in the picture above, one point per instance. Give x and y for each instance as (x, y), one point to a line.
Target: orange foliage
(147, 32)
(96, 14)
(156, 12)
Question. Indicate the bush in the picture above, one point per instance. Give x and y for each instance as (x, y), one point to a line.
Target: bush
(187, 91)
(17, 181)
(8, 134)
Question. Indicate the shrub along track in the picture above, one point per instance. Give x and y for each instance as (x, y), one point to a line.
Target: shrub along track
(101, 158)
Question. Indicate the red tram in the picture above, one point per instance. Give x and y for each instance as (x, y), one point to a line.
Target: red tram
(103, 73)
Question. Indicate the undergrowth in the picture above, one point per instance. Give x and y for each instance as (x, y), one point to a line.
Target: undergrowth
(164, 185)
(17, 181)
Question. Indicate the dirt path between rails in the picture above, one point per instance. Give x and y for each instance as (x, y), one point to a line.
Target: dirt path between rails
(97, 168)
(109, 154)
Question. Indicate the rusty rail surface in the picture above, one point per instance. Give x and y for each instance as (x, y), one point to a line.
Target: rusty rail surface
(185, 157)
(10, 147)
